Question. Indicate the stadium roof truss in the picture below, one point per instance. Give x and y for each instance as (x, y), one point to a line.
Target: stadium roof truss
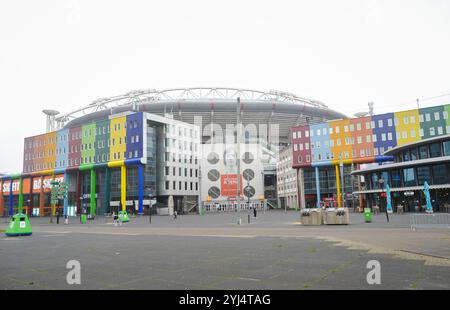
(185, 94)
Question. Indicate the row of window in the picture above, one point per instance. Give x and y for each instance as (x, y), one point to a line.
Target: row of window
(84, 147)
(180, 170)
(181, 145)
(180, 185)
(414, 176)
(76, 135)
(181, 158)
(432, 150)
(83, 160)
(181, 131)
(370, 125)
(371, 138)
(344, 155)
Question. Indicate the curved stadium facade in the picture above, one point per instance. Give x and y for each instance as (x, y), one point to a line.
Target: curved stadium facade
(144, 146)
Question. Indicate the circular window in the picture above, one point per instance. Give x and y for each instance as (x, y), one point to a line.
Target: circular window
(214, 192)
(230, 158)
(249, 191)
(248, 174)
(247, 158)
(213, 158)
(213, 175)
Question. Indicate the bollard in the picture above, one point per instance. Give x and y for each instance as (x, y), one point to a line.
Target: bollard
(249, 218)
(239, 221)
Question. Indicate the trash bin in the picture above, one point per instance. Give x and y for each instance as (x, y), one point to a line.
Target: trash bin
(83, 218)
(367, 215)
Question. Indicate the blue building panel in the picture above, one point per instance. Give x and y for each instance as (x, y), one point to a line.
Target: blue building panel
(320, 142)
(134, 136)
(62, 148)
(384, 135)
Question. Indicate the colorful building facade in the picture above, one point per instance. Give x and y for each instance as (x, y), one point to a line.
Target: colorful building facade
(364, 140)
(105, 162)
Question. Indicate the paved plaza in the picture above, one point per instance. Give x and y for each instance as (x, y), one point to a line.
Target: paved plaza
(212, 251)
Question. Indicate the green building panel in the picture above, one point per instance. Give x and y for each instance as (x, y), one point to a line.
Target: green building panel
(102, 141)
(88, 143)
(433, 122)
(447, 109)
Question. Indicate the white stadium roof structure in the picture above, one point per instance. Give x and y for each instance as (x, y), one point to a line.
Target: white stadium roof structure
(214, 104)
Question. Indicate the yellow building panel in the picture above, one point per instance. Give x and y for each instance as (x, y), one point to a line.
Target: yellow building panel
(407, 126)
(340, 140)
(50, 150)
(118, 133)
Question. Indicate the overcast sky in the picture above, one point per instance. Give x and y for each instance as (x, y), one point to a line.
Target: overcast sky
(63, 54)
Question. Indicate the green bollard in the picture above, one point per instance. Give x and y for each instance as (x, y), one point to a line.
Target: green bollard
(83, 218)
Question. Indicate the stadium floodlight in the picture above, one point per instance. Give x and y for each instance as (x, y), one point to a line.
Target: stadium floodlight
(50, 124)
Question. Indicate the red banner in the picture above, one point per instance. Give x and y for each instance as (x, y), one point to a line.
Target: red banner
(6, 186)
(47, 183)
(228, 184)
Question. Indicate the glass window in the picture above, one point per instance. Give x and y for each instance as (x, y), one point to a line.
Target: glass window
(423, 151)
(423, 174)
(409, 178)
(395, 178)
(385, 178)
(440, 175)
(435, 150)
(374, 180)
(414, 154)
(406, 156)
(447, 148)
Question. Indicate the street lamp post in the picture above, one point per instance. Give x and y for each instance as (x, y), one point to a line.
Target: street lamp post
(82, 206)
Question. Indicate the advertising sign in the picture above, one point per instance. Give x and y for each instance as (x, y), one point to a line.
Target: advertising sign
(47, 183)
(6, 186)
(228, 184)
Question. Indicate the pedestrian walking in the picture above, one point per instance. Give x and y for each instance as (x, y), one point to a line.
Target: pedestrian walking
(254, 211)
(136, 208)
(116, 218)
(175, 215)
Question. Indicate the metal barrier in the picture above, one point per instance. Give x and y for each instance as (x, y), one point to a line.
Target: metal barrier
(439, 220)
(211, 207)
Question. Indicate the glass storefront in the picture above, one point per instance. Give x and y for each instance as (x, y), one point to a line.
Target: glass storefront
(424, 175)
(440, 174)
(413, 200)
(435, 150)
(409, 179)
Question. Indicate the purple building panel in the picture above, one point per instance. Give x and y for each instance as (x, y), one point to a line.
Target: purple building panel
(384, 136)
(74, 147)
(301, 147)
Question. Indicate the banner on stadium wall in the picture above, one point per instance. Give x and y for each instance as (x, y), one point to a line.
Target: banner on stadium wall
(6, 186)
(16, 187)
(228, 184)
(25, 186)
(47, 183)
